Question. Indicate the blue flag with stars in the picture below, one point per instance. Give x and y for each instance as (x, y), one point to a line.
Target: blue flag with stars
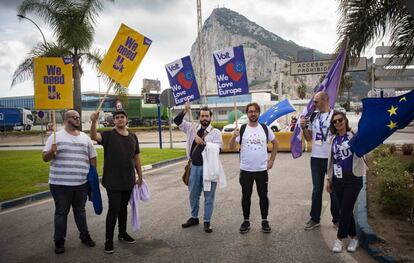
(280, 109)
(380, 118)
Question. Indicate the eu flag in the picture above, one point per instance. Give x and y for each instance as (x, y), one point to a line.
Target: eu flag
(280, 109)
(380, 118)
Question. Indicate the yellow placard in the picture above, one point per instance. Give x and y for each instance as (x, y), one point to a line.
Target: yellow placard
(125, 54)
(53, 84)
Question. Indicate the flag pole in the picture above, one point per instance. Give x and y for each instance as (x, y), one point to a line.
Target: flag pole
(54, 127)
(192, 121)
(103, 99)
(343, 65)
(235, 111)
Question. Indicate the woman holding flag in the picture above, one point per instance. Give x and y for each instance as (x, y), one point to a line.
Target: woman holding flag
(345, 171)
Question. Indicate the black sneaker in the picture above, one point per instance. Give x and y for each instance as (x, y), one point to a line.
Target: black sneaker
(125, 238)
(311, 224)
(207, 227)
(109, 247)
(88, 241)
(190, 222)
(245, 226)
(59, 247)
(265, 227)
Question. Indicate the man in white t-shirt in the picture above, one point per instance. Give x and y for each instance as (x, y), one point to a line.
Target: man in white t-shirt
(70, 156)
(318, 131)
(254, 163)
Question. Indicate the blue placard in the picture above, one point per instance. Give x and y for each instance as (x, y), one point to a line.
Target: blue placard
(182, 80)
(231, 72)
(41, 114)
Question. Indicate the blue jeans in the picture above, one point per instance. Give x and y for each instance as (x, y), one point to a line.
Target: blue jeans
(195, 186)
(318, 169)
(65, 197)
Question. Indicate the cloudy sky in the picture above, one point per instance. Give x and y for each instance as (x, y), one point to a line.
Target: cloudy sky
(172, 25)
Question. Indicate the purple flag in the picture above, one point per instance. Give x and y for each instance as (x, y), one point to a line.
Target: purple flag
(330, 85)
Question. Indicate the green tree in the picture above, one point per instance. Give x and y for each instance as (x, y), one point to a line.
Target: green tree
(363, 22)
(72, 23)
(301, 90)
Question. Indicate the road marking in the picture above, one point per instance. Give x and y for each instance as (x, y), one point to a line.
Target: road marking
(163, 167)
(329, 235)
(26, 206)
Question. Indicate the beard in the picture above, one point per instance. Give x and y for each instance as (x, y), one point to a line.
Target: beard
(205, 123)
(75, 126)
(253, 118)
(120, 125)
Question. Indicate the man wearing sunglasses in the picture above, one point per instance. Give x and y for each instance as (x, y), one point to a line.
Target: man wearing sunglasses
(318, 132)
(70, 157)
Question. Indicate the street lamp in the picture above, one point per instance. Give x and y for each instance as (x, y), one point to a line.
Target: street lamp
(99, 94)
(44, 39)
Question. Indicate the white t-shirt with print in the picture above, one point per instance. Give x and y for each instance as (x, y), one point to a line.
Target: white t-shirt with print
(320, 136)
(253, 151)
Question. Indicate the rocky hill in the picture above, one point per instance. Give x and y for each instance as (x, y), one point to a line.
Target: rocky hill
(266, 54)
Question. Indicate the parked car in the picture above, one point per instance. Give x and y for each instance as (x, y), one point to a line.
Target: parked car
(340, 108)
(275, 126)
(109, 121)
(229, 128)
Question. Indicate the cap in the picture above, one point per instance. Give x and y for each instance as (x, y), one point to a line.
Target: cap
(118, 112)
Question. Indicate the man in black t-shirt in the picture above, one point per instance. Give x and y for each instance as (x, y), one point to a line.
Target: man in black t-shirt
(121, 161)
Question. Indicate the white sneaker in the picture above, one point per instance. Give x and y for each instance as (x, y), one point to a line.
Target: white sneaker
(337, 248)
(353, 244)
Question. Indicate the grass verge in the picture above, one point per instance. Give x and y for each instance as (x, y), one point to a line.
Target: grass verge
(24, 172)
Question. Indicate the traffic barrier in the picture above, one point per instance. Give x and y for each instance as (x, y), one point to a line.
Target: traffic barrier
(282, 137)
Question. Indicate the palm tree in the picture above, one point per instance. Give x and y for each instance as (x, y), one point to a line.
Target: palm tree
(72, 23)
(301, 90)
(363, 22)
(347, 84)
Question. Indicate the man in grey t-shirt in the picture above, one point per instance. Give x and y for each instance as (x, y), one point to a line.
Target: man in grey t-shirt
(70, 154)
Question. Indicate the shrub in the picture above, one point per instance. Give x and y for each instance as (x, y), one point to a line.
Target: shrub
(395, 191)
(381, 151)
(394, 180)
(392, 148)
(410, 167)
(407, 149)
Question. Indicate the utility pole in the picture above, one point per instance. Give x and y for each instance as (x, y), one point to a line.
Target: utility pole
(201, 64)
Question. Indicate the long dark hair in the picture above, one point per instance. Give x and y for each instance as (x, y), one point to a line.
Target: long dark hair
(332, 126)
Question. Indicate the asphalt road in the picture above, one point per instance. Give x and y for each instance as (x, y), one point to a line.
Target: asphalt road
(27, 232)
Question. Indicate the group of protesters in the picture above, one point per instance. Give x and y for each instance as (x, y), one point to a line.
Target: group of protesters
(71, 153)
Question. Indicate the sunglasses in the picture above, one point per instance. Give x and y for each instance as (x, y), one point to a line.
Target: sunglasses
(74, 117)
(337, 121)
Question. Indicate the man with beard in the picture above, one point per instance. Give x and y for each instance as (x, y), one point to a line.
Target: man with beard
(197, 139)
(70, 156)
(121, 161)
(254, 163)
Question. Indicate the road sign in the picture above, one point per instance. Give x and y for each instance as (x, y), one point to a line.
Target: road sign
(150, 85)
(167, 98)
(152, 98)
(41, 114)
(322, 66)
(394, 84)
